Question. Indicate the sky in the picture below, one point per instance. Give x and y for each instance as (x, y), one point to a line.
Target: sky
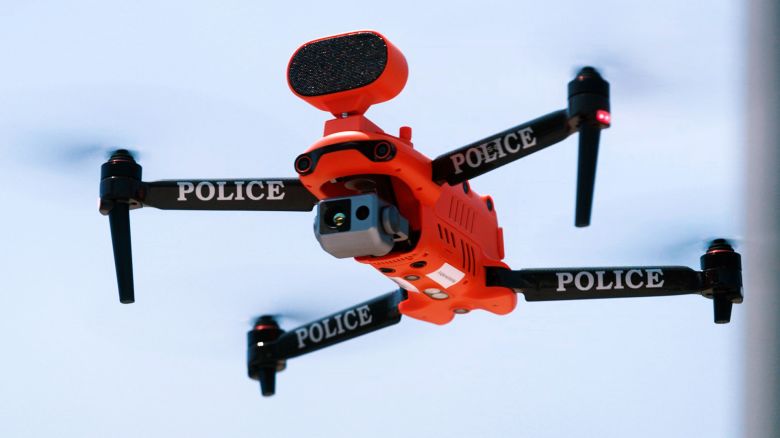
(199, 90)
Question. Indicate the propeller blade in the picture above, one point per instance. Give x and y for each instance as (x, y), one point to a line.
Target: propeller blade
(586, 173)
(64, 153)
(119, 220)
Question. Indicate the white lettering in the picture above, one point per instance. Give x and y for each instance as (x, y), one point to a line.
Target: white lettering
(221, 192)
(338, 323)
(497, 147)
(328, 334)
(630, 283)
(653, 275)
(494, 149)
(633, 279)
(365, 315)
(578, 280)
(488, 154)
(199, 190)
(511, 147)
(527, 136)
(457, 161)
(184, 188)
(239, 190)
(600, 281)
(249, 193)
(318, 337)
(618, 279)
(346, 320)
(275, 190)
(302, 334)
(325, 329)
(563, 279)
(473, 159)
(514, 146)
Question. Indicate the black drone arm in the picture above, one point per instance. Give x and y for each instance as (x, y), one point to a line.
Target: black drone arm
(121, 190)
(269, 347)
(497, 150)
(720, 279)
(277, 194)
(120, 182)
(587, 113)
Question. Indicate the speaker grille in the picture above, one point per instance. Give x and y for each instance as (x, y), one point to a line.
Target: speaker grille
(337, 64)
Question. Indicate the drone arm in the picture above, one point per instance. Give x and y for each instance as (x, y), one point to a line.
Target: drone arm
(608, 282)
(122, 190)
(720, 279)
(497, 150)
(250, 194)
(587, 113)
(269, 347)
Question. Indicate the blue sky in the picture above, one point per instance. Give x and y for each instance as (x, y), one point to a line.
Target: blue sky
(198, 88)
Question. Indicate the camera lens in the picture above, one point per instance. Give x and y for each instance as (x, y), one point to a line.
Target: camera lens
(336, 218)
(339, 219)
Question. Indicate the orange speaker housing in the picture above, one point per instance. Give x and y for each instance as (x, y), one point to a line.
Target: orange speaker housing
(347, 73)
(456, 229)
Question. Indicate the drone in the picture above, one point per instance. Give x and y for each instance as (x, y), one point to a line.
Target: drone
(414, 219)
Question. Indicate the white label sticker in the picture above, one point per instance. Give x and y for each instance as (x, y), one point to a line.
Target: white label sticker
(405, 284)
(446, 275)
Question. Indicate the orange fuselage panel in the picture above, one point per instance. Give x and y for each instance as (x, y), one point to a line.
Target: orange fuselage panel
(456, 229)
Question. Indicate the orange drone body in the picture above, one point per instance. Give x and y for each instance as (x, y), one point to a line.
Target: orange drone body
(456, 230)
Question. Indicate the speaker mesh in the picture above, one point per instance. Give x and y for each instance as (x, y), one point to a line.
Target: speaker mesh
(337, 64)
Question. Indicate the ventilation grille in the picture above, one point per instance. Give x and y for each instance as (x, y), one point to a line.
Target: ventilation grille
(395, 261)
(467, 254)
(462, 214)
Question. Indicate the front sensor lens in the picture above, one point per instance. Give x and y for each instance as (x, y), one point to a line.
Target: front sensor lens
(382, 150)
(303, 164)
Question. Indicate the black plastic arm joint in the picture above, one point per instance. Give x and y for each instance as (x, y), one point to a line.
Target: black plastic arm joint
(260, 363)
(722, 277)
(120, 181)
(588, 93)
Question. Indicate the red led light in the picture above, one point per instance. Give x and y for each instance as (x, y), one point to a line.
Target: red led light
(603, 117)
